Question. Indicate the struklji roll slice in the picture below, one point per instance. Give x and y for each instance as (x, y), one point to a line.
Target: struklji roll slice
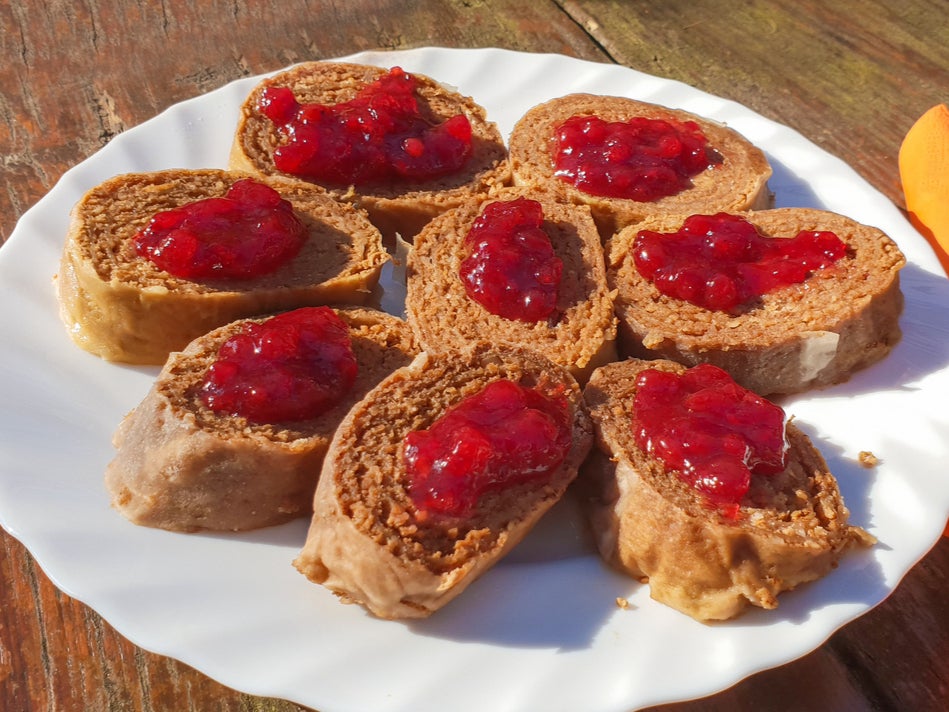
(154, 260)
(704, 488)
(629, 160)
(438, 472)
(785, 300)
(517, 271)
(402, 146)
(232, 434)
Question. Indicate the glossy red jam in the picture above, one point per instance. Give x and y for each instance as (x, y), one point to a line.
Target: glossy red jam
(249, 232)
(721, 261)
(504, 435)
(640, 159)
(293, 366)
(511, 268)
(712, 432)
(379, 135)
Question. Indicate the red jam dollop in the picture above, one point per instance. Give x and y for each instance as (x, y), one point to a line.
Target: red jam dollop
(249, 232)
(712, 432)
(639, 159)
(511, 268)
(721, 261)
(293, 366)
(379, 135)
(502, 436)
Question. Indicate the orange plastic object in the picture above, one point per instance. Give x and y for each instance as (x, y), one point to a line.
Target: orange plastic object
(924, 173)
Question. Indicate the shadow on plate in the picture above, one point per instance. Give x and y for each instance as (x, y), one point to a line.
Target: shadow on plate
(562, 605)
(289, 535)
(789, 190)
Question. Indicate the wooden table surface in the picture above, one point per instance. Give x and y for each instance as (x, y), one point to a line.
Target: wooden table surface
(850, 75)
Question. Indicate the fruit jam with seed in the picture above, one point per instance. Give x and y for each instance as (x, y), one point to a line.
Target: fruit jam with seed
(249, 232)
(712, 432)
(720, 262)
(378, 136)
(511, 268)
(291, 367)
(639, 159)
(503, 436)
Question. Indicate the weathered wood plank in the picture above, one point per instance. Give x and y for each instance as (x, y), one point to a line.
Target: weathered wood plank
(852, 77)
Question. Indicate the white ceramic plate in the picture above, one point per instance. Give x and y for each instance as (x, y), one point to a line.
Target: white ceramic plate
(542, 629)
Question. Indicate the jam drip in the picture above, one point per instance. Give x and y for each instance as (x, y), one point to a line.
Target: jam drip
(293, 366)
(639, 159)
(379, 135)
(511, 268)
(720, 262)
(249, 232)
(503, 436)
(712, 432)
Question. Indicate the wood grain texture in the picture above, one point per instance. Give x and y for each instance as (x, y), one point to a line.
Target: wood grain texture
(813, 65)
(850, 75)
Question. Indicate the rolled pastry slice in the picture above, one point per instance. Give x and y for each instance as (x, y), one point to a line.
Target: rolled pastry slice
(183, 466)
(420, 495)
(580, 331)
(401, 191)
(705, 557)
(805, 335)
(643, 181)
(117, 303)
